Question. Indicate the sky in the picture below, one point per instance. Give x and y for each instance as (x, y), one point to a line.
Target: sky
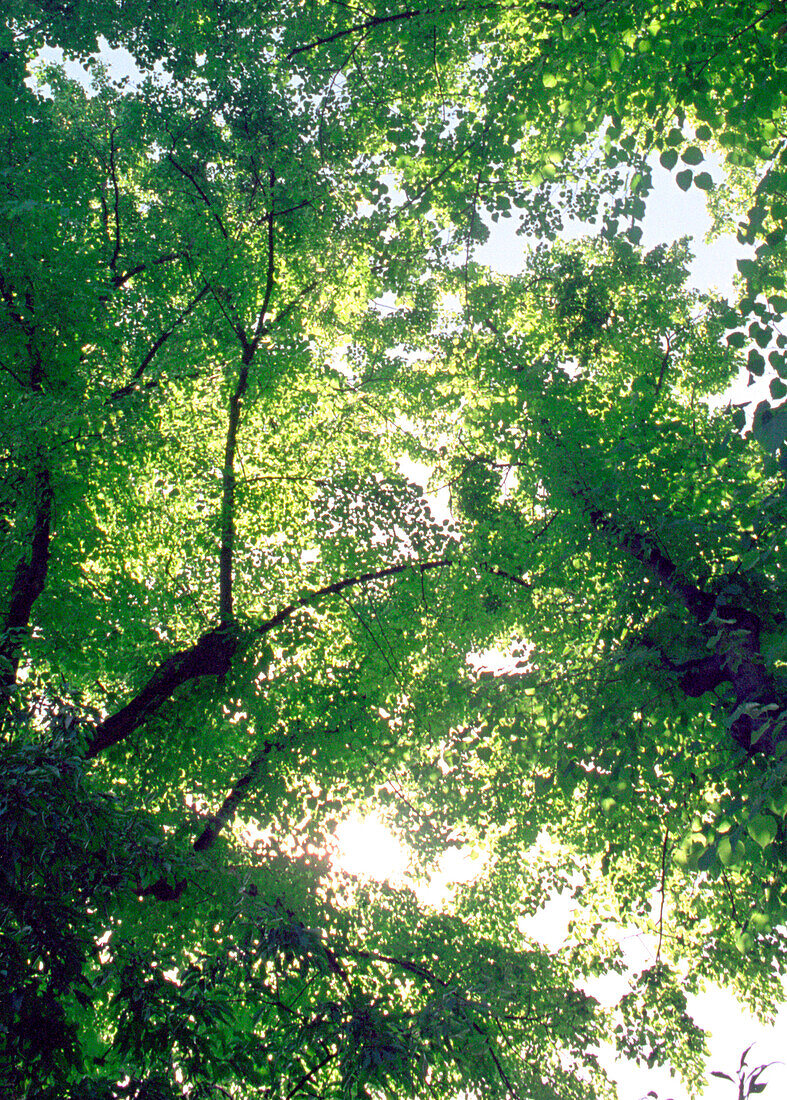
(367, 848)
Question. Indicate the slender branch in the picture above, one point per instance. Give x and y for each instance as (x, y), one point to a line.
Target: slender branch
(509, 577)
(348, 603)
(369, 24)
(36, 375)
(403, 964)
(662, 890)
(308, 1076)
(7, 294)
(226, 811)
(228, 491)
(498, 1064)
(202, 194)
(730, 40)
(664, 364)
(19, 381)
(348, 582)
(116, 190)
(123, 391)
(284, 313)
(166, 258)
(469, 241)
(270, 278)
(381, 20)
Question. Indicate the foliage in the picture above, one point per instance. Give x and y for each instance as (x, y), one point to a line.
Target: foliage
(238, 294)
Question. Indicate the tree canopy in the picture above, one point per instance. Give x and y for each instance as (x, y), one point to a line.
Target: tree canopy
(239, 300)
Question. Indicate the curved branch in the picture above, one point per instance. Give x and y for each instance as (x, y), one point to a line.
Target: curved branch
(349, 582)
(357, 28)
(381, 20)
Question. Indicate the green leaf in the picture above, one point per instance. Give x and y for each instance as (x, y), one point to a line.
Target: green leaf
(777, 802)
(749, 560)
(616, 58)
(669, 158)
(692, 155)
(756, 362)
(762, 829)
(704, 181)
(684, 178)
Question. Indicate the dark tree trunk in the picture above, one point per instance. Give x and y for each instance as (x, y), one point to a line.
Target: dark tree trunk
(756, 723)
(28, 584)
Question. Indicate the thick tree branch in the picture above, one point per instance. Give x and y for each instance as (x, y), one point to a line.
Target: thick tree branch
(27, 586)
(211, 655)
(757, 724)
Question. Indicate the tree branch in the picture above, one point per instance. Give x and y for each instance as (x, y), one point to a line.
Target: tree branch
(662, 889)
(211, 655)
(226, 811)
(757, 723)
(228, 491)
(403, 964)
(308, 1076)
(375, 21)
(28, 584)
(166, 258)
(116, 191)
(202, 194)
(349, 582)
(381, 20)
(123, 391)
(271, 273)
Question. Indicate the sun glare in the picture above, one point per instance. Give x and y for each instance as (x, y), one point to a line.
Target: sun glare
(365, 847)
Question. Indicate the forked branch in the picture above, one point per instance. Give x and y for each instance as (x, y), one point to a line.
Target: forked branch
(211, 655)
